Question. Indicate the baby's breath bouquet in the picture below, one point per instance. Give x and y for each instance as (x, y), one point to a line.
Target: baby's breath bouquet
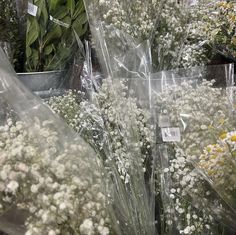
(171, 27)
(119, 132)
(47, 171)
(192, 114)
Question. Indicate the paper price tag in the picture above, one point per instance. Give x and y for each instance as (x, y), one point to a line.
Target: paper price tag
(171, 134)
(164, 121)
(32, 9)
(56, 21)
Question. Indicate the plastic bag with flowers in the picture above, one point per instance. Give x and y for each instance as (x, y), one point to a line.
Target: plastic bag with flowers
(171, 26)
(119, 130)
(194, 109)
(49, 175)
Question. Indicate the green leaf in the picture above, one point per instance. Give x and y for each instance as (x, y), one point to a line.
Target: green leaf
(82, 18)
(60, 13)
(52, 4)
(80, 26)
(32, 32)
(48, 49)
(54, 34)
(59, 59)
(78, 9)
(66, 20)
(35, 58)
(44, 13)
(28, 52)
(71, 6)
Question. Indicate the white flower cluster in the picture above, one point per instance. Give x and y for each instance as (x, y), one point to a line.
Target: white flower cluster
(61, 189)
(136, 18)
(186, 185)
(201, 112)
(174, 28)
(194, 109)
(120, 133)
(106, 125)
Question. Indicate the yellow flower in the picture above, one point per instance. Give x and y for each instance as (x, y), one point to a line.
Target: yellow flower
(219, 150)
(213, 156)
(224, 5)
(233, 138)
(223, 135)
(208, 149)
(212, 172)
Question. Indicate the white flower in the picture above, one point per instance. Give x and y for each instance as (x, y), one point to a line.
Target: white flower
(22, 167)
(62, 206)
(187, 230)
(101, 2)
(103, 230)
(3, 175)
(166, 170)
(45, 217)
(52, 232)
(87, 227)
(34, 188)
(173, 190)
(13, 186)
(169, 222)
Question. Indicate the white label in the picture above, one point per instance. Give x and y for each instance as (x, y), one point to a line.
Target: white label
(171, 134)
(32, 9)
(164, 121)
(56, 21)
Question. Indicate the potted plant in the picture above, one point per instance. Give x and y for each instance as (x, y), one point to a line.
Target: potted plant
(51, 41)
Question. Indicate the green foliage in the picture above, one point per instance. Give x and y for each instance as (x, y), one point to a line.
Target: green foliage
(9, 28)
(50, 40)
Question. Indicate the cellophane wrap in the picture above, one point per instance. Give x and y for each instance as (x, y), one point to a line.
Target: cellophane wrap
(110, 119)
(195, 112)
(49, 176)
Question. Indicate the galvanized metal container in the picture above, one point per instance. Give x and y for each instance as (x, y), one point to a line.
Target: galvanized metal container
(42, 81)
(44, 84)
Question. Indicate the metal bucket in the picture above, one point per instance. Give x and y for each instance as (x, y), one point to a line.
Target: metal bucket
(42, 81)
(44, 84)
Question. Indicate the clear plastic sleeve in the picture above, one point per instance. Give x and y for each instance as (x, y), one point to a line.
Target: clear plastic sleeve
(194, 108)
(117, 128)
(47, 170)
(50, 39)
(172, 30)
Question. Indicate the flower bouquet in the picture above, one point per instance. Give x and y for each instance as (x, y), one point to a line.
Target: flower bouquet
(47, 171)
(192, 113)
(119, 132)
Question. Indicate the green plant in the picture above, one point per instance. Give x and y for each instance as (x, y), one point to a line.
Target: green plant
(9, 28)
(50, 40)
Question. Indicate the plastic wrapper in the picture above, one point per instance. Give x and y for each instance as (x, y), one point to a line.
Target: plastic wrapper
(119, 28)
(169, 30)
(48, 173)
(50, 40)
(110, 120)
(194, 108)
